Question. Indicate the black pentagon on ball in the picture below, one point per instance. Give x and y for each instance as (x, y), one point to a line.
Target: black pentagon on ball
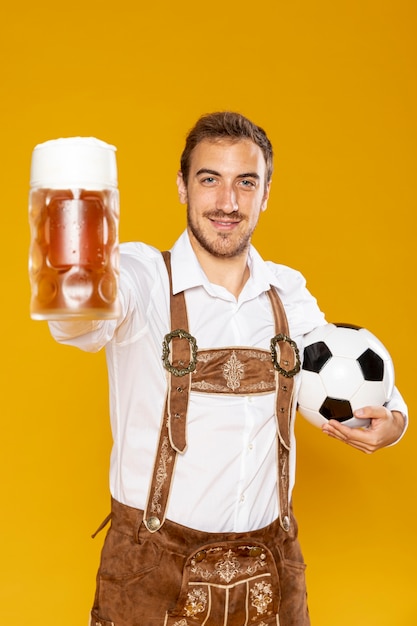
(316, 356)
(372, 365)
(336, 409)
(351, 326)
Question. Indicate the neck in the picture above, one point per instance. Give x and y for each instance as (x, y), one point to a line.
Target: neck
(230, 273)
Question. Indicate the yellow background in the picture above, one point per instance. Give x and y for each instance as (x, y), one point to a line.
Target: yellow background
(334, 84)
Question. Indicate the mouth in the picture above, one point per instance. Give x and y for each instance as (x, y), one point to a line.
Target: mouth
(224, 225)
(223, 222)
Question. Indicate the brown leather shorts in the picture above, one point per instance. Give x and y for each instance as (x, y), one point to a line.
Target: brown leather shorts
(184, 577)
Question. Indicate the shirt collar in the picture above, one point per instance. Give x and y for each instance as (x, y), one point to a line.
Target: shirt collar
(188, 273)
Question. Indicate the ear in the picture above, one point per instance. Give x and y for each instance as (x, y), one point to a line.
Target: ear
(182, 189)
(266, 196)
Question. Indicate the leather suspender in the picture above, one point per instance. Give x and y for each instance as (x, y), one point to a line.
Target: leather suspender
(286, 366)
(179, 356)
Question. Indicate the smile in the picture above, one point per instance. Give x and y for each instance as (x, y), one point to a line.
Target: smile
(224, 224)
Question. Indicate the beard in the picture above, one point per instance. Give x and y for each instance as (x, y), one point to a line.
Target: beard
(222, 245)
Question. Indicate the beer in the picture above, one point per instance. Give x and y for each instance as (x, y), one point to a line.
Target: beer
(73, 261)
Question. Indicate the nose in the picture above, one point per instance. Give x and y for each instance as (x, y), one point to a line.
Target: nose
(226, 199)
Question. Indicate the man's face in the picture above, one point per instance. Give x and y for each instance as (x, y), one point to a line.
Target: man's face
(225, 193)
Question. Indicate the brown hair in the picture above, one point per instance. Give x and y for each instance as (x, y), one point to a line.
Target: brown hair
(226, 125)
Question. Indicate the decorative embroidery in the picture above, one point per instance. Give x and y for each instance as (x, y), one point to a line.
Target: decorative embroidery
(161, 474)
(233, 371)
(227, 567)
(260, 387)
(205, 386)
(205, 356)
(183, 622)
(261, 595)
(196, 602)
(243, 370)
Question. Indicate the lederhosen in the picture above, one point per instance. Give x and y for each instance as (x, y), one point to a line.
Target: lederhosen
(155, 572)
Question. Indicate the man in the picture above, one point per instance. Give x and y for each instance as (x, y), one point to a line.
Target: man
(203, 462)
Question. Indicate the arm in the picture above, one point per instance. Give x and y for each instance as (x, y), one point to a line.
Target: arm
(90, 335)
(141, 272)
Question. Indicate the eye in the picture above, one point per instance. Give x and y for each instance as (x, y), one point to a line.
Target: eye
(208, 180)
(247, 183)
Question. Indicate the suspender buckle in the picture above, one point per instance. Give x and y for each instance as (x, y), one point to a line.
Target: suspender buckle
(287, 373)
(181, 334)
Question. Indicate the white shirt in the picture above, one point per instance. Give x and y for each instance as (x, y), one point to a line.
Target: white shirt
(226, 479)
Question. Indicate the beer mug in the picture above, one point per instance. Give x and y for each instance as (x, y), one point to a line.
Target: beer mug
(74, 220)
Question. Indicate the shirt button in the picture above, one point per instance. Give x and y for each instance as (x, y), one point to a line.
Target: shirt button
(250, 446)
(242, 497)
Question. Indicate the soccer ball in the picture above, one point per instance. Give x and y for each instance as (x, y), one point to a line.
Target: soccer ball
(345, 367)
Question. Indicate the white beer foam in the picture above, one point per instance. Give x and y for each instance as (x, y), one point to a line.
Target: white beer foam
(74, 162)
